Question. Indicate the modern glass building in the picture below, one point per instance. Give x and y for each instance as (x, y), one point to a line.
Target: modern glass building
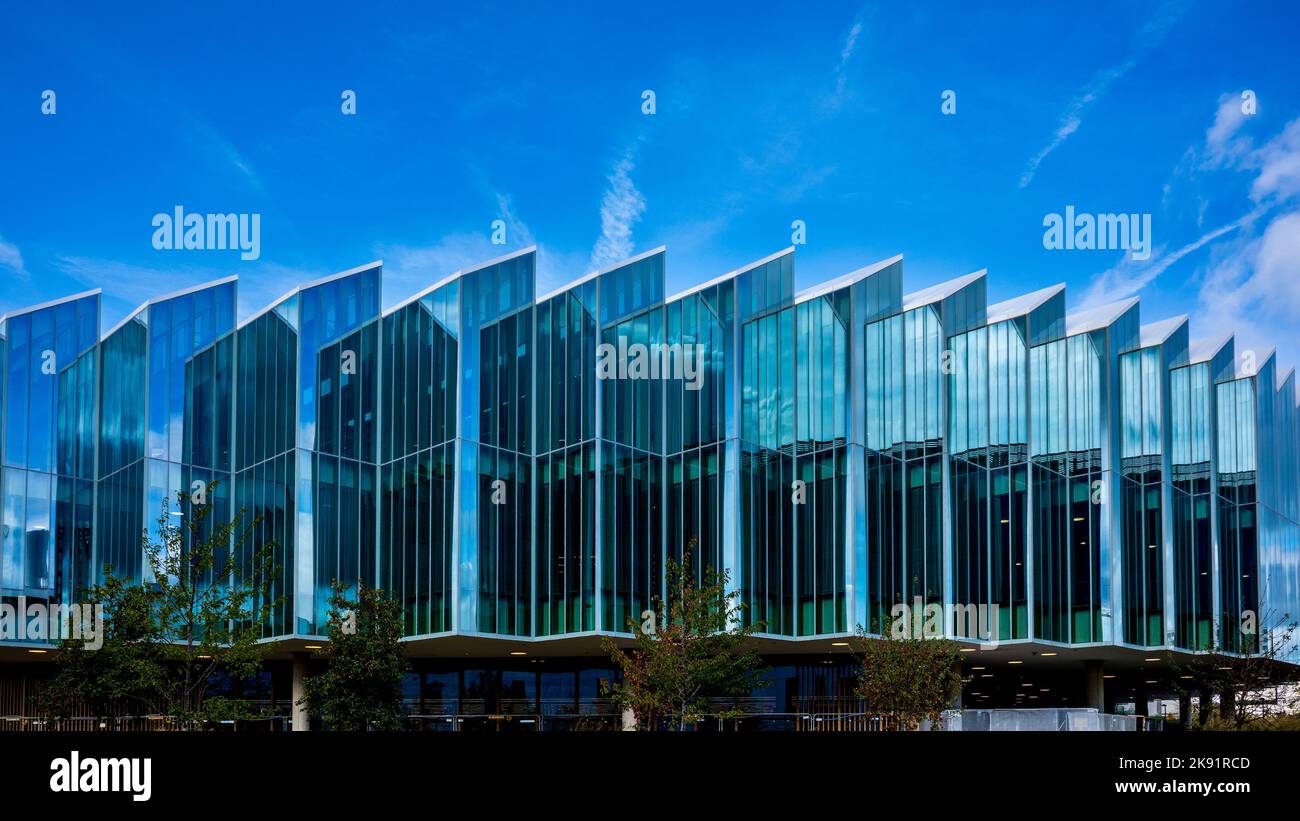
(1062, 487)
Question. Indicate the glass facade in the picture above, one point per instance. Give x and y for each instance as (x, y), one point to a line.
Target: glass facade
(48, 449)
(523, 466)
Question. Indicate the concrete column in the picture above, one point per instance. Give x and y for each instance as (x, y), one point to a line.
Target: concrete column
(1185, 710)
(1094, 685)
(629, 720)
(299, 712)
(1142, 699)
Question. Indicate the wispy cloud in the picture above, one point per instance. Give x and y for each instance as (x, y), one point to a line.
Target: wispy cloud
(621, 207)
(209, 140)
(517, 231)
(850, 45)
(1131, 276)
(128, 285)
(11, 260)
(409, 269)
(1147, 38)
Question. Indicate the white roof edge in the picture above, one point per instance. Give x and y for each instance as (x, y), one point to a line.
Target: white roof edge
(749, 266)
(270, 306)
(378, 263)
(50, 303)
(844, 280)
(568, 286)
(658, 249)
(1156, 333)
(1098, 316)
(193, 288)
(941, 290)
(450, 278)
(455, 275)
(1238, 372)
(1021, 305)
(173, 295)
(494, 261)
(574, 283)
(1206, 348)
(139, 310)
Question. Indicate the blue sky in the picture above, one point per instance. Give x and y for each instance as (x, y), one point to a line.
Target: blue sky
(532, 113)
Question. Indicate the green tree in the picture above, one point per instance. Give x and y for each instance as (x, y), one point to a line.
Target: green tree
(362, 687)
(169, 640)
(907, 680)
(693, 654)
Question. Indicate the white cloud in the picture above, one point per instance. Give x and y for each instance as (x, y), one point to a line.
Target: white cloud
(620, 208)
(1220, 146)
(1148, 37)
(1278, 162)
(1254, 290)
(11, 260)
(1131, 276)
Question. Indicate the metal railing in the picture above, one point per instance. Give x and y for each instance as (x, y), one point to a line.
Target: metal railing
(138, 724)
